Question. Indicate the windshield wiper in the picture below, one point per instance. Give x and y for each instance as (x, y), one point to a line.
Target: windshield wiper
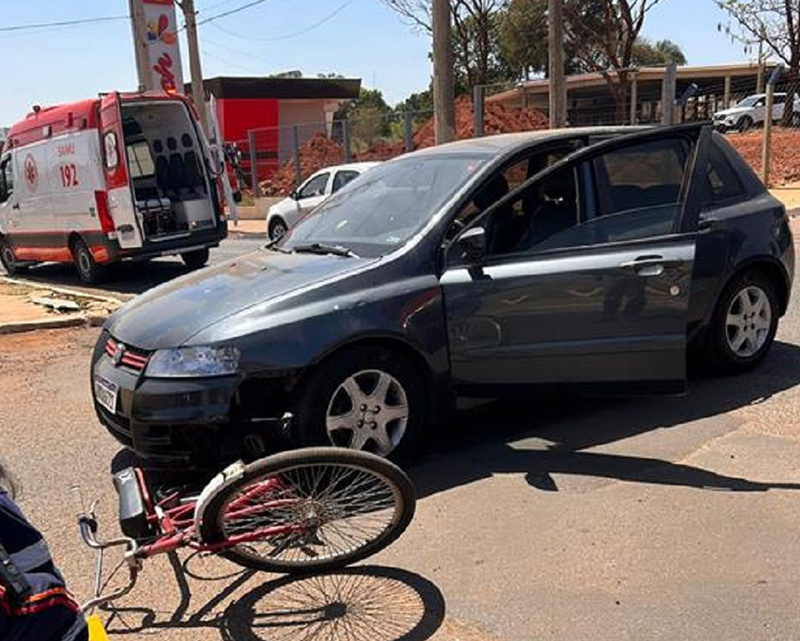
(321, 248)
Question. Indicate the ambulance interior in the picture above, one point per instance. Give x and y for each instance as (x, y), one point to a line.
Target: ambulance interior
(169, 177)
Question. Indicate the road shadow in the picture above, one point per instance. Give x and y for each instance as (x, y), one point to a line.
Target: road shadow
(365, 603)
(478, 443)
(124, 278)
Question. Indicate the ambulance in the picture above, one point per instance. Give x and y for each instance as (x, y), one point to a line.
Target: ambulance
(119, 177)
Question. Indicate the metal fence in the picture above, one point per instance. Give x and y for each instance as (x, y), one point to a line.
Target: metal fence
(278, 159)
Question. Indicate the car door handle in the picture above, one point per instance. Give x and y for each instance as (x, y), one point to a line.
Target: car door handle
(706, 224)
(15, 206)
(650, 265)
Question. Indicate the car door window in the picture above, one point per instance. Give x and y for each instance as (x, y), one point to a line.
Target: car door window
(314, 187)
(6, 179)
(506, 180)
(342, 178)
(637, 195)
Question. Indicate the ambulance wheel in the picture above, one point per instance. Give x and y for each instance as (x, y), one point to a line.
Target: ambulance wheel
(10, 263)
(196, 259)
(88, 270)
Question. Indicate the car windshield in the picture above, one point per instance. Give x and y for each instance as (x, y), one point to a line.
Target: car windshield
(750, 101)
(386, 206)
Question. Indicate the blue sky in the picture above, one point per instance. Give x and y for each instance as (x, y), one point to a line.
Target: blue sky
(364, 40)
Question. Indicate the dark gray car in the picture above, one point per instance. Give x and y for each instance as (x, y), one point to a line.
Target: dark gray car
(590, 257)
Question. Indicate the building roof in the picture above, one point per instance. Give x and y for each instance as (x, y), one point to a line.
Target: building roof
(281, 88)
(685, 73)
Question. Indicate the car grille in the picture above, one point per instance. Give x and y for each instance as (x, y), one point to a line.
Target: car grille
(132, 358)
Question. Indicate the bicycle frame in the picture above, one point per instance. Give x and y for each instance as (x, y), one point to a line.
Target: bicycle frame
(173, 520)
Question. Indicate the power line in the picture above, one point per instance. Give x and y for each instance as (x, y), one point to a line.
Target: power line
(293, 34)
(230, 12)
(62, 23)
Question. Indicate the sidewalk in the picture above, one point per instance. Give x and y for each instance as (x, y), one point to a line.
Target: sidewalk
(248, 228)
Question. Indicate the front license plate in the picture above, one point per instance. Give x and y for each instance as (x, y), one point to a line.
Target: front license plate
(106, 393)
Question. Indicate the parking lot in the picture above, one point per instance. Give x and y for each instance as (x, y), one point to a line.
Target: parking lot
(556, 518)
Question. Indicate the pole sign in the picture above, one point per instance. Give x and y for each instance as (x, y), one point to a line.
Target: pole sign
(163, 50)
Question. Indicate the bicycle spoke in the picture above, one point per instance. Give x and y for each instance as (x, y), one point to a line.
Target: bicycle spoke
(332, 510)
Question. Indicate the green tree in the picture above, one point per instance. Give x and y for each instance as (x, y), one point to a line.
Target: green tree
(366, 116)
(662, 53)
(776, 24)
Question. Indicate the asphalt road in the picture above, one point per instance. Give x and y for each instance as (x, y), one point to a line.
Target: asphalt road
(134, 278)
(563, 519)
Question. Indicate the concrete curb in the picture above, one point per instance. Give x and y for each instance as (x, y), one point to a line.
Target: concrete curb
(46, 323)
(61, 290)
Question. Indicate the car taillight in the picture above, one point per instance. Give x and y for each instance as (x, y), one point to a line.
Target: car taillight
(101, 203)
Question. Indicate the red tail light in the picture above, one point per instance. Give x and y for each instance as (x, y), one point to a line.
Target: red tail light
(101, 203)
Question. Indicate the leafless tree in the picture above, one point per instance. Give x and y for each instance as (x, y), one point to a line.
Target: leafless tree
(474, 32)
(776, 24)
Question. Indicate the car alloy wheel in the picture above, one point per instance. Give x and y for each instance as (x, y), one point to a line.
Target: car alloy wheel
(368, 410)
(748, 322)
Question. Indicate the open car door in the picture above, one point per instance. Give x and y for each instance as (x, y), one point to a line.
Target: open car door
(215, 146)
(587, 271)
(119, 195)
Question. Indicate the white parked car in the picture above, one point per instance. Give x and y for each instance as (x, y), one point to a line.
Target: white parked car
(311, 193)
(752, 111)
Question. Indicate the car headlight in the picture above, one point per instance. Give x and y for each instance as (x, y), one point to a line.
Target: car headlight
(193, 361)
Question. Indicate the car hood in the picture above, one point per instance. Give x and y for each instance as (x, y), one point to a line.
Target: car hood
(283, 206)
(169, 315)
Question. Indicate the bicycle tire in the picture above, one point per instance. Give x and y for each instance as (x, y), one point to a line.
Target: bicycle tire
(214, 528)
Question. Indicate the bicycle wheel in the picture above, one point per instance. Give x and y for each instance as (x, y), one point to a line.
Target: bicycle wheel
(309, 510)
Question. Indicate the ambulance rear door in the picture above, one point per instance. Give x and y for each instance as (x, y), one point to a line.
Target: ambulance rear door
(115, 167)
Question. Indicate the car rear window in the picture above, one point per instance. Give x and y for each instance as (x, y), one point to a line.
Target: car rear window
(723, 184)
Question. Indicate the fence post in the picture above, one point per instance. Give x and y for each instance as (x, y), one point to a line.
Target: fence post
(668, 94)
(251, 137)
(298, 170)
(408, 130)
(477, 111)
(348, 154)
(766, 150)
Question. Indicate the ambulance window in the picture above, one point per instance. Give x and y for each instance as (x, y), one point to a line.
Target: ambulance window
(6, 179)
(140, 160)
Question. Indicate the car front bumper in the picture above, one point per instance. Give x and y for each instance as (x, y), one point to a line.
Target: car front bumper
(166, 419)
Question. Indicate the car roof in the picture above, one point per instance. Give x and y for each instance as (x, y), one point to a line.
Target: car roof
(504, 143)
(360, 167)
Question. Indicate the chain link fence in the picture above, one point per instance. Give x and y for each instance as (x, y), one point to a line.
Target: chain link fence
(277, 160)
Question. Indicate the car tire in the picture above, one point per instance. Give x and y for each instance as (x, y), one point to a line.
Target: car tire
(10, 263)
(740, 335)
(196, 259)
(745, 124)
(88, 269)
(325, 412)
(277, 228)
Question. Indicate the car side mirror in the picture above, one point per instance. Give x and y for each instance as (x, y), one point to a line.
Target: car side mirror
(293, 194)
(473, 244)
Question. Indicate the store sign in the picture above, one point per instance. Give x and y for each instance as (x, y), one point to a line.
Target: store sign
(163, 51)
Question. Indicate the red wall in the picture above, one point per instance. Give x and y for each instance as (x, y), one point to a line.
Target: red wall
(238, 115)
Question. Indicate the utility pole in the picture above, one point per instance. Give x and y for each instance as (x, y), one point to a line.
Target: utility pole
(558, 87)
(198, 93)
(443, 75)
(139, 27)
